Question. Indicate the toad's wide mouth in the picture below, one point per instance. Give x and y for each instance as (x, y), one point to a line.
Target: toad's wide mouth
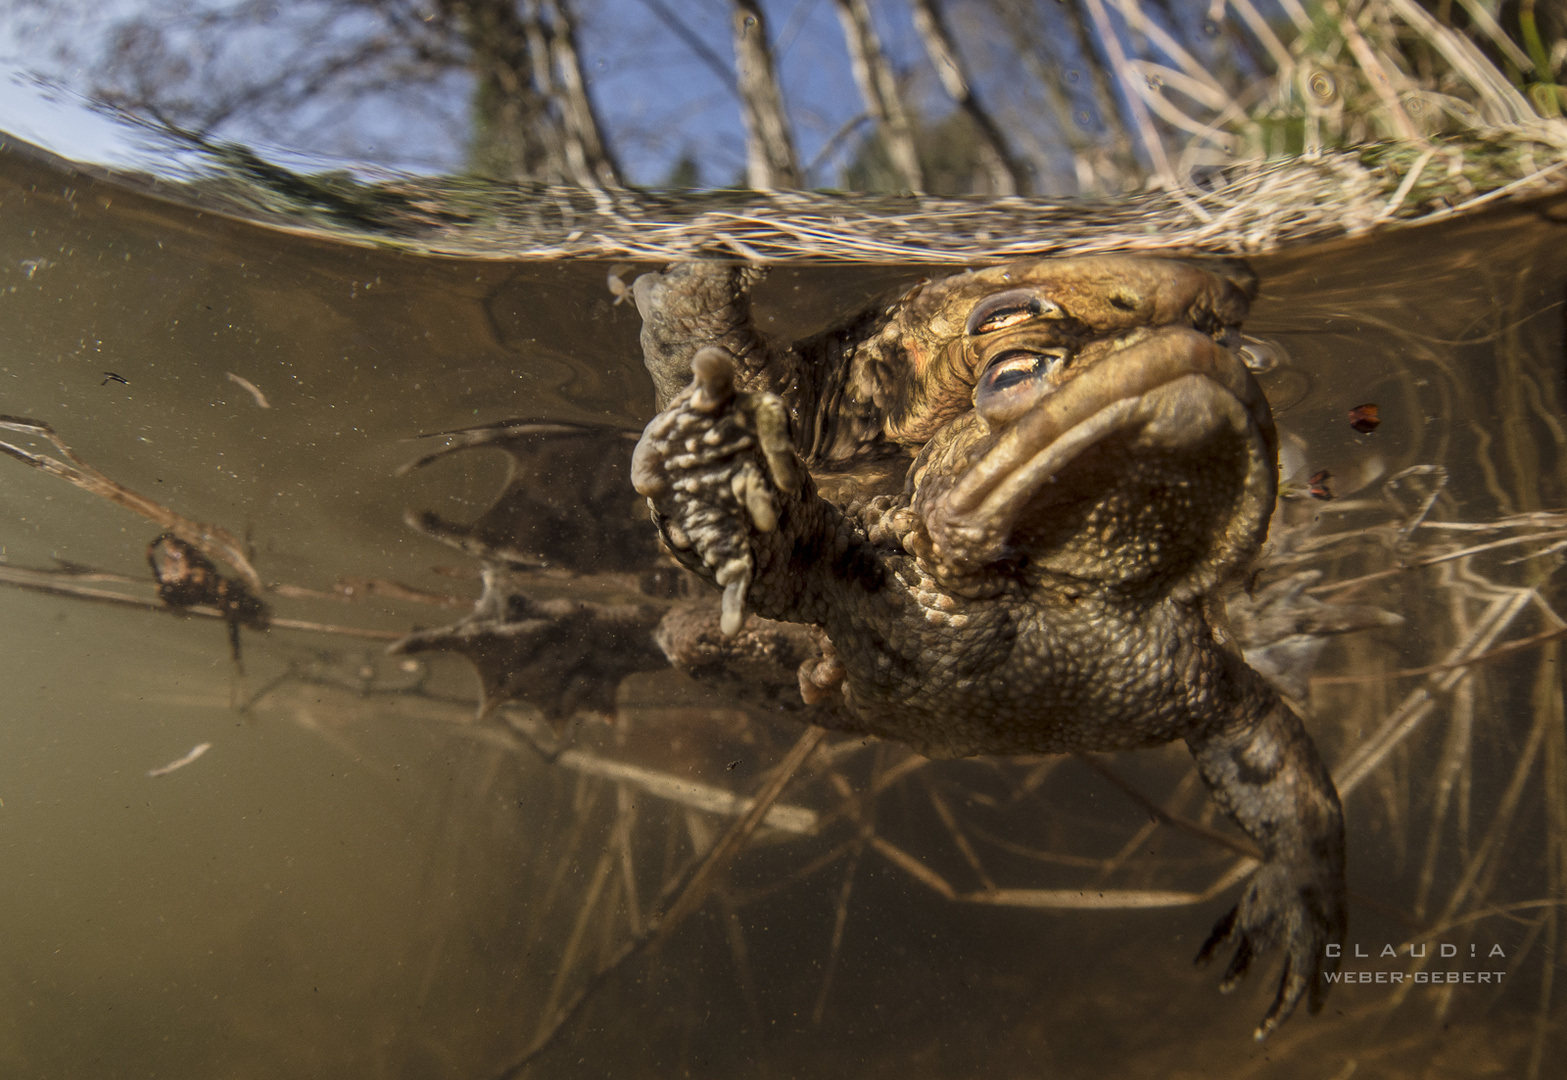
(1173, 387)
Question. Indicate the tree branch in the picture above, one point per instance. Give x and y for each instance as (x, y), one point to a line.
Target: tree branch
(694, 42)
(879, 88)
(589, 157)
(771, 161)
(1007, 174)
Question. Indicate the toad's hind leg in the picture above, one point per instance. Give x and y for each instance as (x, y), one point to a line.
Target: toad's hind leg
(781, 667)
(1267, 776)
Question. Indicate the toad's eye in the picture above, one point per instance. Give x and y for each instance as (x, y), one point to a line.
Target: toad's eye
(1008, 309)
(1013, 368)
(1015, 381)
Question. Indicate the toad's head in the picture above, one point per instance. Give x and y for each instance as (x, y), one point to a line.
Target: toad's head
(1081, 418)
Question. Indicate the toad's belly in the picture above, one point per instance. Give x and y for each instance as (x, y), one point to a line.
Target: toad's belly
(1011, 682)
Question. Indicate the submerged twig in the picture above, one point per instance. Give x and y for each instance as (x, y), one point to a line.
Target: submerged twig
(180, 762)
(1501, 652)
(690, 896)
(1418, 704)
(60, 583)
(1507, 805)
(1158, 813)
(839, 921)
(214, 541)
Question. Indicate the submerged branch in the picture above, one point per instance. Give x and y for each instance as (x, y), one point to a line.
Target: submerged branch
(214, 541)
(61, 583)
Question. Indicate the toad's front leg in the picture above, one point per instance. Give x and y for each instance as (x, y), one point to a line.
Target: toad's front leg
(1267, 776)
(698, 304)
(732, 500)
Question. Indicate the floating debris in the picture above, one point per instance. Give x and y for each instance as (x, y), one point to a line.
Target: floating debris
(213, 541)
(186, 578)
(179, 763)
(1365, 418)
(1317, 486)
(255, 391)
(619, 287)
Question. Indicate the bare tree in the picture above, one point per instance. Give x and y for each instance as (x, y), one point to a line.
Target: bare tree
(513, 134)
(587, 155)
(1007, 174)
(879, 87)
(1142, 122)
(1115, 153)
(184, 64)
(771, 159)
(1103, 92)
(1039, 43)
(532, 115)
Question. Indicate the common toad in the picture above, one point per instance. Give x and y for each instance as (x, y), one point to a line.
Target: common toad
(1005, 501)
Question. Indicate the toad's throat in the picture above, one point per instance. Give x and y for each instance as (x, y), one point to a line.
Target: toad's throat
(1173, 388)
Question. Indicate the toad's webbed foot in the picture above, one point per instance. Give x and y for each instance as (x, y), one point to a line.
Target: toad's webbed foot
(777, 666)
(1280, 907)
(715, 466)
(1268, 777)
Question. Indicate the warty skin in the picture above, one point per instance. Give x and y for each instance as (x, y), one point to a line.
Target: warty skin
(1005, 500)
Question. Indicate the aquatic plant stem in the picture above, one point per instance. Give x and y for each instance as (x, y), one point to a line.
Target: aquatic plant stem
(57, 584)
(687, 900)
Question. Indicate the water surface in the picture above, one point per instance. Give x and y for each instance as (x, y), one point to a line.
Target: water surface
(358, 880)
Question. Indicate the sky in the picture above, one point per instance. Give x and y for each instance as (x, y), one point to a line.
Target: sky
(657, 98)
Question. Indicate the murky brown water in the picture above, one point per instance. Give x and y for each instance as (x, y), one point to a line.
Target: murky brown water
(356, 881)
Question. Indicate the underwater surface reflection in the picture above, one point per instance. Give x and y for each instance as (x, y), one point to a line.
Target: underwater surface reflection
(358, 878)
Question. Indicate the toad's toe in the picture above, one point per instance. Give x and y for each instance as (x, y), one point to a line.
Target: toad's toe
(713, 467)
